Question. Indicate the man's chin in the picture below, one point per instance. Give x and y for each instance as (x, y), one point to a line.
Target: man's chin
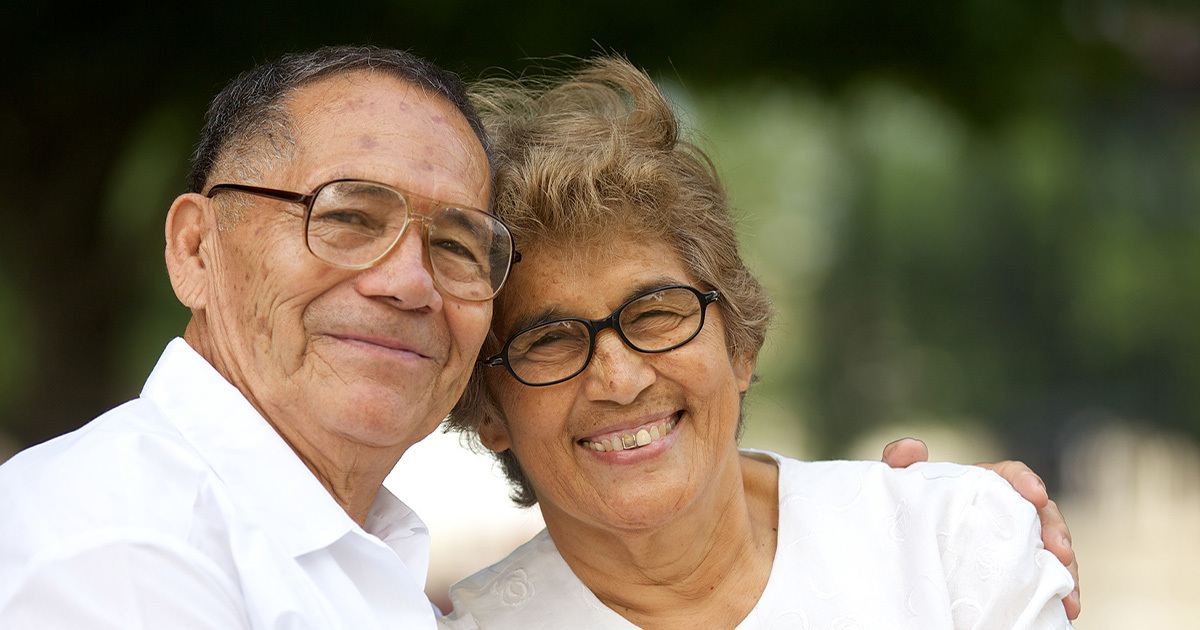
(383, 419)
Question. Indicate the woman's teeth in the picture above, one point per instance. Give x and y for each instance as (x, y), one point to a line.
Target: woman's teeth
(629, 441)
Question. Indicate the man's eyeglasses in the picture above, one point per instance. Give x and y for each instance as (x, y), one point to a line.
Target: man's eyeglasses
(555, 351)
(354, 224)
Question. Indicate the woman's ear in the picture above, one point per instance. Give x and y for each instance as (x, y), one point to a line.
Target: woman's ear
(494, 435)
(743, 370)
(188, 225)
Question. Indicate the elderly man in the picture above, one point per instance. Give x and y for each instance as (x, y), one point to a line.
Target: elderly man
(243, 489)
(339, 266)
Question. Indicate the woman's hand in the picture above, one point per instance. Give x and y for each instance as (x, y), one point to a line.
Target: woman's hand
(1056, 537)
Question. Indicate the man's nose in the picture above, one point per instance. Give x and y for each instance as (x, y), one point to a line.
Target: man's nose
(617, 372)
(404, 274)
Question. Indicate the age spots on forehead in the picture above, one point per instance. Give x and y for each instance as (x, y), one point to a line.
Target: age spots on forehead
(368, 143)
(343, 106)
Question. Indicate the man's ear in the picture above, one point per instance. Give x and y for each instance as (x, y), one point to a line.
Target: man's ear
(189, 224)
(493, 435)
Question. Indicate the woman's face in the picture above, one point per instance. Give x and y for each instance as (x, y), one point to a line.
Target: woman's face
(688, 396)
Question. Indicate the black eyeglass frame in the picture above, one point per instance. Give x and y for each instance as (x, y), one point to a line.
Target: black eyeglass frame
(594, 326)
(307, 200)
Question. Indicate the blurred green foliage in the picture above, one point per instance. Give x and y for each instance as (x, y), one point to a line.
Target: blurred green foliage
(966, 209)
(1024, 272)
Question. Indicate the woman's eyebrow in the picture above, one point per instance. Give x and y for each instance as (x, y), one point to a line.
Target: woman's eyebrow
(551, 313)
(654, 284)
(537, 317)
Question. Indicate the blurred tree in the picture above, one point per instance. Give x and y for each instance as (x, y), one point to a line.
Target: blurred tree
(976, 148)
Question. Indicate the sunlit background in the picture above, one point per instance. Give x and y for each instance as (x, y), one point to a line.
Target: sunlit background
(980, 221)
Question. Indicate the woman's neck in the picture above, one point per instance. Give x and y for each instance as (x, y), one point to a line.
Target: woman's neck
(706, 567)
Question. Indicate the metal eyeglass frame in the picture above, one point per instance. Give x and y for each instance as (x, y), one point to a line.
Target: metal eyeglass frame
(307, 200)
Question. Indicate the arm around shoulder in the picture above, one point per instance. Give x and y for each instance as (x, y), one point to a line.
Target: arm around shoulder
(998, 573)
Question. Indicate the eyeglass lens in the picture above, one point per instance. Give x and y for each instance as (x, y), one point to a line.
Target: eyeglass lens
(655, 322)
(354, 223)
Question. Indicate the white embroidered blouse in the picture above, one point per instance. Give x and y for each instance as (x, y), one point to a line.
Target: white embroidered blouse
(860, 545)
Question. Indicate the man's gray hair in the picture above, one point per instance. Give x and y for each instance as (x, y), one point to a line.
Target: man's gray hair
(248, 123)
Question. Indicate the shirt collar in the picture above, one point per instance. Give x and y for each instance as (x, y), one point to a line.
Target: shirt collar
(262, 473)
(401, 529)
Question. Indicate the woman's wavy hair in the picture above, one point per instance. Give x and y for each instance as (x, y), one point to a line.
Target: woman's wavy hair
(596, 155)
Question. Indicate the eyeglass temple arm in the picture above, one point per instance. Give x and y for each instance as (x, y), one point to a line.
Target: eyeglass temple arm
(272, 193)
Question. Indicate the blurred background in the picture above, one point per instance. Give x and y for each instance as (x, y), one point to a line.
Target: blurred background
(980, 220)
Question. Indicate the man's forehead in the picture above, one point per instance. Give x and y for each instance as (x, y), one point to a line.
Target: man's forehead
(377, 126)
(342, 98)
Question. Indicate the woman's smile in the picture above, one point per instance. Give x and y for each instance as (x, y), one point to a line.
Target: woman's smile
(633, 438)
(635, 435)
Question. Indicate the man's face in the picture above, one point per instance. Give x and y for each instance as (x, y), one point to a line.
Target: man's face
(339, 359)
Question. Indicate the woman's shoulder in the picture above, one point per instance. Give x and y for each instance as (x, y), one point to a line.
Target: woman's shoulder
(532, 582)
(936, 493)
(504, 579)
(843, 480)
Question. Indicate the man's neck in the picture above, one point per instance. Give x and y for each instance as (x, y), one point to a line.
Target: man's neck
(351, 472)
(354, 487)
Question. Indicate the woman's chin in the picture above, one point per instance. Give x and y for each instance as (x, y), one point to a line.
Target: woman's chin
(620, 508)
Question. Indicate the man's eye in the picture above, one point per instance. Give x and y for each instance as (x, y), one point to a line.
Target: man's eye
(457, 249)
(344, 217)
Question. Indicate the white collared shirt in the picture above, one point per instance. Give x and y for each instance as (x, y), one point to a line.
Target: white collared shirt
(185, 509)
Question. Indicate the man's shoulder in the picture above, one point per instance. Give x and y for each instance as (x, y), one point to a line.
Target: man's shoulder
(127, 468)
(122, 437)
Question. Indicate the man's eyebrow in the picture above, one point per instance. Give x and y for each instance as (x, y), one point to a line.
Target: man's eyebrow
(365, 188)
(460, 219)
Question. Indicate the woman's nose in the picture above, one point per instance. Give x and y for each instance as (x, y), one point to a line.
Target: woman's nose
(617, 373)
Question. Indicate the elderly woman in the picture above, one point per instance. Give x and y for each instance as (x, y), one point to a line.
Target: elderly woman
(611, 392)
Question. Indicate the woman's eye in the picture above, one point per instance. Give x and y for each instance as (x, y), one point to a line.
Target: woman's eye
(550, 337)
(652, 319)
(557, 341)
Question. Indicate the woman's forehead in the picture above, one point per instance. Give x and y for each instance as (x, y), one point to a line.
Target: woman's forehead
(566, 276)
(587, 259)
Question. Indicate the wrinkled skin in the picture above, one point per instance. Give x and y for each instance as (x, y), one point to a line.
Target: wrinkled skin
(350, 367)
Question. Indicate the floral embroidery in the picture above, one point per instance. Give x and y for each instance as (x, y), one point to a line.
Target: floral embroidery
(513, 589)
